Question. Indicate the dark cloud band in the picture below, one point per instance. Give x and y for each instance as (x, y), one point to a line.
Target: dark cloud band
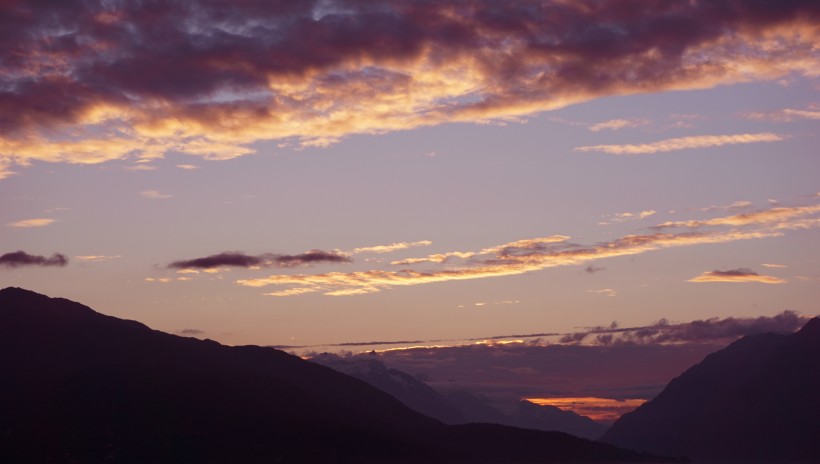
(21, 258)
(238, 259)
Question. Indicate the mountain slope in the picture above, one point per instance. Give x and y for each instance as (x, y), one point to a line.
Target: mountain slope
(544, 417)
(76, 385)
(459, 407)
(412, 392)
(759, 399)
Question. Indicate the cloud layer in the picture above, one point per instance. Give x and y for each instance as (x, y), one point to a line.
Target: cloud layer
(638, 365)
(87, 82)
(545, 252)
(21, 258)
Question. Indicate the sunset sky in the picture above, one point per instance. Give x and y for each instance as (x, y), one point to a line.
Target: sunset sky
(322, 172)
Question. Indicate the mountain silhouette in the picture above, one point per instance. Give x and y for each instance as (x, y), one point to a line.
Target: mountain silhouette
(460, 406)
(79, 386)
(411, 391)
(546, 417)
(757, 399)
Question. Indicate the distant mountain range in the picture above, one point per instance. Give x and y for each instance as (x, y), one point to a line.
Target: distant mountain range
(757, 399)
(79, 386)
(460, 406)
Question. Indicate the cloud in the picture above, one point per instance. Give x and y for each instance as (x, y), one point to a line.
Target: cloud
(26, 223)
(699, 331)
(141, 167)
(623, 217)
(392, 247)
(609, 362)
(741, 275)
(766, 216)
(21, 258)
(605, 410)
(495, 303)
(191, 332)
(605, 291)
(540, 253)
(97, 258)
(684, 143)
(774, 265)
(783, 115)
(74, 88)
(154, 195)
(617, 124)
(434, 258)
(239, 259)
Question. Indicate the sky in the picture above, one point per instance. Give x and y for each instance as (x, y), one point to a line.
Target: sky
(317, 173)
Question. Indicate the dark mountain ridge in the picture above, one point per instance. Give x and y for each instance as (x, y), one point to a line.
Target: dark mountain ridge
(757, 399)
(461, 406)
(79, 386)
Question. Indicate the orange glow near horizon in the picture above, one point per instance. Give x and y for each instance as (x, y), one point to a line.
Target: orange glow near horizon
(598, 409)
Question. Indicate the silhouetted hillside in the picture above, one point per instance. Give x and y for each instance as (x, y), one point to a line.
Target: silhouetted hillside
(459, 407)
(758, 399)
(78, 386)
(544, 417)
(412, 392)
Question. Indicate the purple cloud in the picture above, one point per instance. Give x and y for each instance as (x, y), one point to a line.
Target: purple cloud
(21, 258)
(142, 74)
(239, 259)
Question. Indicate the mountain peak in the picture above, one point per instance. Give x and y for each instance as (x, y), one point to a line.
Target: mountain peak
(19, 292)
(755, 399)
(812, 328)
(81, 386)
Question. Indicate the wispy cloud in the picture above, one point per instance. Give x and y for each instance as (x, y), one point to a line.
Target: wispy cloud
(741, 275)
(774, 265)
(154, 195)
(97, 258)
(535, 254)
(141, 167)
(26, 223)
(684, 143)
(300, 74)
(21, 258)
(617, 124)
(188, 167)
(623, 217)
(434, 258)
(239, 259)
(766, 216)
(605, 291)
(783, 115)
(392, 247)
(481, 304)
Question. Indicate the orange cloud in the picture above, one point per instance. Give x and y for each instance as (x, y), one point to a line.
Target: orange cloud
(598, 409)
(768, 216)
(617, 124)
(784, 115)
(392, 247)
(540, 253)
(26, 223)
(396, 66)
(684, 143)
